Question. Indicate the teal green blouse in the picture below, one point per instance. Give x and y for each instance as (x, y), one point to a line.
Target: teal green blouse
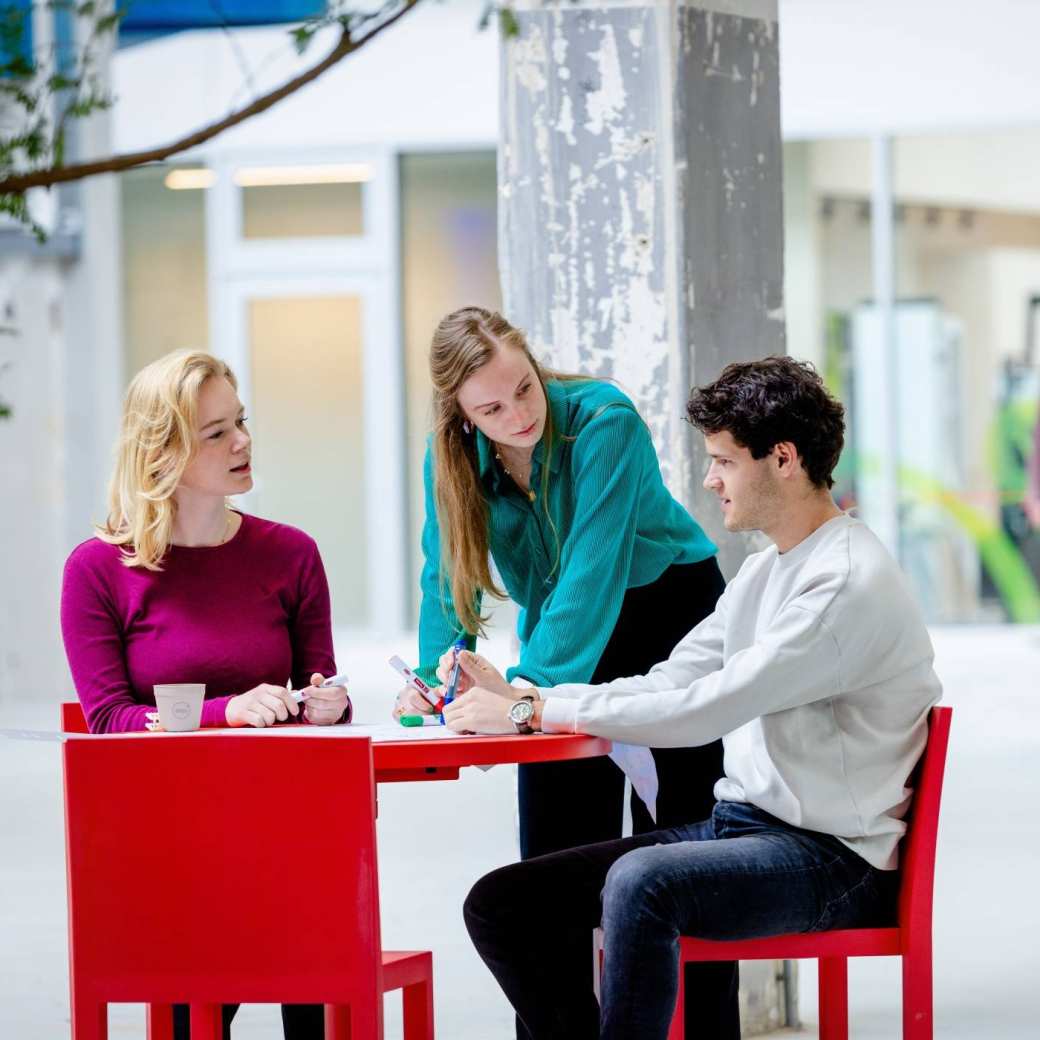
(617, 527)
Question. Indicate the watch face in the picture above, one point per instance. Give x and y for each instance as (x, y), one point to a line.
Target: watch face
(521, 712)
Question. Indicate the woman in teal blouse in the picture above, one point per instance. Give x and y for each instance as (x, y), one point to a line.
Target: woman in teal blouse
(555, 477)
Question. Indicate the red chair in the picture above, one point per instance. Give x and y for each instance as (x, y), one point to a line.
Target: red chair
(220, 868)
(911, 939)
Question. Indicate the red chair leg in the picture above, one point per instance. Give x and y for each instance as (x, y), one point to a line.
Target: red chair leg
(418, 1010)
(677, 1028)
(834, 998)
(89, 1019)
(917, 995)
(337, 1022)
(160, 1021)
(206, 1022)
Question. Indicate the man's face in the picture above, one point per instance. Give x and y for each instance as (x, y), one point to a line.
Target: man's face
(748, 489)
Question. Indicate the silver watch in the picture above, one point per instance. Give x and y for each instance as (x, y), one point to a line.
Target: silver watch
(521, 713)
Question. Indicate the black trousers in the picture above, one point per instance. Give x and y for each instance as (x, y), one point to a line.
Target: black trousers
(567, 804)
(299, 1021)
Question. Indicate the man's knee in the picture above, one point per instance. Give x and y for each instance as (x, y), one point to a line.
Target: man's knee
(493, 900)
(636, 886)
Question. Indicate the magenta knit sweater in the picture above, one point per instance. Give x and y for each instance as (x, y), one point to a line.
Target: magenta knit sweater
(254, 610)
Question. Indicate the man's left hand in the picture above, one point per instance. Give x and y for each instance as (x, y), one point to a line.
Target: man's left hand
(480, 711)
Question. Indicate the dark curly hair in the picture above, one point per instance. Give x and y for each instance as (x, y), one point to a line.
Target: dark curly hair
(764, 403)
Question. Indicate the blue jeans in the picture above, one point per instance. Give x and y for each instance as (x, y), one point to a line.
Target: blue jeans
(740, 874)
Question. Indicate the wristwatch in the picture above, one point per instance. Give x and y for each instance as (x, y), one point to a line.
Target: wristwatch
(521, 713)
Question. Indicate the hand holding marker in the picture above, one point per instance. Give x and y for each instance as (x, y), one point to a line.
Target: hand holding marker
(333, 680)
(453, 679)
(416, 684)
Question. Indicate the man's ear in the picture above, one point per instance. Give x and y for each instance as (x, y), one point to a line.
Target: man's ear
(787, 460)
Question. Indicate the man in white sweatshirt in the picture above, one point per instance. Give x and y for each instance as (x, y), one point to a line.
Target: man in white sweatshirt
(816, 671)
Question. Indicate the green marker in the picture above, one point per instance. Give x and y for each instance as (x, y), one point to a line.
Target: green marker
(418, 720)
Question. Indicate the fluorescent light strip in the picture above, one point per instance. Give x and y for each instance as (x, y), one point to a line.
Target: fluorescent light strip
(187, 179)
(270, 176)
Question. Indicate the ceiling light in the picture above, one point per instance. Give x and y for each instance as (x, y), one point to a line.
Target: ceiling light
(186, 179)
(329, 173)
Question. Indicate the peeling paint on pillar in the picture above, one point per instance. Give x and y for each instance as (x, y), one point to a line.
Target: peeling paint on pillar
(640, 217)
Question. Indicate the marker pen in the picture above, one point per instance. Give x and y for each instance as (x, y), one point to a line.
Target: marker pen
(416, 683)
(332, 680)
(419, 720)
(453, 679)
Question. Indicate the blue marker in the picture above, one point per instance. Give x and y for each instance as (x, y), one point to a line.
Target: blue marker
(453, 679)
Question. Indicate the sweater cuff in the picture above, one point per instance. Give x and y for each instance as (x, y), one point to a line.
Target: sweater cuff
(559, 715)
(214, 712)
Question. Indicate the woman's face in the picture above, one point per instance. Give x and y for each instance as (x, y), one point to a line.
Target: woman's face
(222, 443)
(504, 400)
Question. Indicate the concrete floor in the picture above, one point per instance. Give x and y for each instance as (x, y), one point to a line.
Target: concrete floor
(435, 839)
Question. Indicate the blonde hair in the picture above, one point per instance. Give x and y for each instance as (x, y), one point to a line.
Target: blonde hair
(156, 443)
(464, 342)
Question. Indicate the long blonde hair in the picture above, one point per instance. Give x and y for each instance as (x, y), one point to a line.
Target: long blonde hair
(156, 443)
(464, 342)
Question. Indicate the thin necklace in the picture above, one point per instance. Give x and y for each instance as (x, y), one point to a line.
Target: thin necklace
(509, 473)
(228, 522)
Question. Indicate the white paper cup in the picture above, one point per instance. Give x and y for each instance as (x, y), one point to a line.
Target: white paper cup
(180, 705)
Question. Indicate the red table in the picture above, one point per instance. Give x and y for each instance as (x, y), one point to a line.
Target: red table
(442, 759)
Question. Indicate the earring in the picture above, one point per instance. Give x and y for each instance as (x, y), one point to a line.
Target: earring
(466, 428)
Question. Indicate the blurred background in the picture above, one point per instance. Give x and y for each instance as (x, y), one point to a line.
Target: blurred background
(316, 246)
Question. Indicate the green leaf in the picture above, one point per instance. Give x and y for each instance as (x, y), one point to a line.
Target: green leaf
(109, 22)
(302, 36)
(507, 22)
(60, 82)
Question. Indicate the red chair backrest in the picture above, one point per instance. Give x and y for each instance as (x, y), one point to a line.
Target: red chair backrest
(918, 848)
(223, 867)
(72, 718)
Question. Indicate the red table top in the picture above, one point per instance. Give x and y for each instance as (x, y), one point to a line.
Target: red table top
(481, 751)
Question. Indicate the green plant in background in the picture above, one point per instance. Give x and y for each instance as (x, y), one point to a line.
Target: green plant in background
(42, 95)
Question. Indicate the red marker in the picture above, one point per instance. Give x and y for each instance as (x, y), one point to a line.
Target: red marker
(437, 703)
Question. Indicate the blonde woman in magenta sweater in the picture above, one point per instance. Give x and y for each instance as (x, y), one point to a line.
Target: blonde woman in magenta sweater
(178, 587)
(555, 477)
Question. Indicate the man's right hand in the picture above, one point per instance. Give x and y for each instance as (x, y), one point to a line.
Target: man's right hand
(264, 705)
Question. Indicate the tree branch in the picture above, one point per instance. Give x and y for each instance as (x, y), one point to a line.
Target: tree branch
(16, 185)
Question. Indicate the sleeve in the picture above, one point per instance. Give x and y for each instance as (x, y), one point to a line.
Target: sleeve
(439, 625)
(795, 662)
(93, 635)
(310, 627)
(609, 458)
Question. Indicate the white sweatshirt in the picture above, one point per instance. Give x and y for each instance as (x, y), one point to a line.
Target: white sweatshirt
(815, 669)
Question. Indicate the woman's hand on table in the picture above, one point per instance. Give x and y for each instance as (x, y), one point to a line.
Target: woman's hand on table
(480, 711)
(264, 705)
(324, 705)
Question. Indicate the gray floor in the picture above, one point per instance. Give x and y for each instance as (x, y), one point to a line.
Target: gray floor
(436, 838)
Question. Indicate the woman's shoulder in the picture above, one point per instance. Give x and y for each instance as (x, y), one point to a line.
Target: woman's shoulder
(93, 554)
(272, 535)
(589, 400)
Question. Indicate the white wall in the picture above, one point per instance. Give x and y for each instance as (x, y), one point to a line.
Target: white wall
(848, 68)
(430, 79)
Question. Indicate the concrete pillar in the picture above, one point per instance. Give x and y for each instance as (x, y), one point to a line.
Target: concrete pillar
(641, 223)
(640, 216)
